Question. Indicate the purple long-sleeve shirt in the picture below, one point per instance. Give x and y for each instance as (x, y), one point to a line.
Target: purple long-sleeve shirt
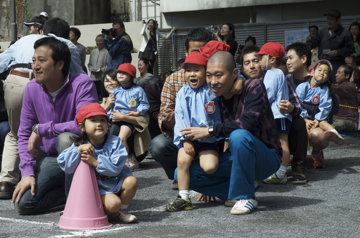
(53, 118)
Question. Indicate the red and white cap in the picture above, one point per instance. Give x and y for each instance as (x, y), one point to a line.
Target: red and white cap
(127, 68)
(90, 110)
(322, 60)
(273, 49)
(195, 57)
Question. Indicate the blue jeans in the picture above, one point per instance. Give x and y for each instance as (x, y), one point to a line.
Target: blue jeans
(165, 153)
(50, 182)
(248, 159)
(4, 130)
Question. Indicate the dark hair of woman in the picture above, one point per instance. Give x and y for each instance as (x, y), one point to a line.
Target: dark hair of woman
(231, 28)
(148, 65)
(155, 24)
(112, 74)
(355, 23)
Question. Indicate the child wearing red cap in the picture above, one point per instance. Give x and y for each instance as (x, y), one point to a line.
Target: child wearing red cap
(129, 100)
(317, 92)
(107, 155)
(196, 106)
(277, 89)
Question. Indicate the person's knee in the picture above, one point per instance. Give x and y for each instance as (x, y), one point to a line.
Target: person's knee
(210, 168)
(239, 137)
(64, 141)
(113, 206)
(25, 206)
(158, 145)
(130, 183)
(317, 139)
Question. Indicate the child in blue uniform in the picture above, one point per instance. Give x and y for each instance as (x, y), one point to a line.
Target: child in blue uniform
(277, 89)
(128, 98)
(317, 92)
(107, 155)
(196, 106)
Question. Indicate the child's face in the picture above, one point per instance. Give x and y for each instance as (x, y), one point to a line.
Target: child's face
(195, 75)
(95, 127)
(322, 73)
(263, 59)
(123, 78)
(110, 84)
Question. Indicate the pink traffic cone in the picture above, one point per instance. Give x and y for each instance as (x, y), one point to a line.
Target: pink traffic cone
(83, 209)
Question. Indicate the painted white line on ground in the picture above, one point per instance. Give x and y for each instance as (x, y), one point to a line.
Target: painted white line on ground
(26, 221)
(89, 232)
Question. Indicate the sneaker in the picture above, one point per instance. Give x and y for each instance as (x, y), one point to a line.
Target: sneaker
(334, 136)
(273, 179)
(309, 162)
(124, 216)
(175, 185)
(179, 204)
(231, 202)
(319, 161)
(244, 206)
(299, 179)
(134, 164)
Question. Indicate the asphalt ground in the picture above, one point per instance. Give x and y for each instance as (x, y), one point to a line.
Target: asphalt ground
(327, 206)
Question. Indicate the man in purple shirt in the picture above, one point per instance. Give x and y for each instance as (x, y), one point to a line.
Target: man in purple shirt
(50, 104)
(247, 121)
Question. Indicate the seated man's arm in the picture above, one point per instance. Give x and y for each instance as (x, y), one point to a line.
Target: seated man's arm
(86, 94)
(295, 108)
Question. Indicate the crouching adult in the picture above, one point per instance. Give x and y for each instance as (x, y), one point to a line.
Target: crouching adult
(47, 121)
(254, 148)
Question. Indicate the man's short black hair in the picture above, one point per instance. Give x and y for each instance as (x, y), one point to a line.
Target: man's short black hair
(347, 70)
(57, 26)
(248, 49)
(76, 31)
(314, 26)
(198, 34)
(250, 38)
(119, 22)
(301, 49)
(60, 51)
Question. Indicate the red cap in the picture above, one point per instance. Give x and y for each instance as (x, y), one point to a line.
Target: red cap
(273, 49)
(127, 68)
(212, 47)
(89, 110)
(195, 57)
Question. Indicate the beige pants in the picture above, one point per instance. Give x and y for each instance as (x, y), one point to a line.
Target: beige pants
(14, 88)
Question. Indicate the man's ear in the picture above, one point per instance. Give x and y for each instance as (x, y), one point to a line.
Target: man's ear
(303, 59)
(235, 73)
(41, 32)
(60, 65)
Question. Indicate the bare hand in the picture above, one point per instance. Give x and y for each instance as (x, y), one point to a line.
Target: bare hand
(175, 28)
(309, 124)
(315, 124)
(86, 148)
(168, 119)
(195, 133)
(133, 114)
(25, 183)
(34, 137)
(109, 102)
(237, 86)
(285, 106)
(117, 116)
(332, 53)
(89, 159)
(205, 198)
(189, 148)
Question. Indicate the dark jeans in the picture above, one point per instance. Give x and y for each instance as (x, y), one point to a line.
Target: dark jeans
(4, 130)
(50, 181)
(298, 141)
(165, 153)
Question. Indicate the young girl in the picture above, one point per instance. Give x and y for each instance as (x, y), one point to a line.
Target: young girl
(128, 98)
(317, 92)
(195, 106)
(107, 155)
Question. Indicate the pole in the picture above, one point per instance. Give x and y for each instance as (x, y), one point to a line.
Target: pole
(134, 10)
(13, 22)
(155, 10)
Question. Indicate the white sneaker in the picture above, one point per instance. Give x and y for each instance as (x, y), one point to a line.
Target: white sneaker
(231, 202)
(124, 216)
(134, 164)
(244, 206)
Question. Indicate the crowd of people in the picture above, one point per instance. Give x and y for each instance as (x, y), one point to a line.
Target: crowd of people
(214, 128)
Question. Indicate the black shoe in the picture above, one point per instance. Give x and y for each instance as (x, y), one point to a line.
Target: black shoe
(6, 190)
(299, 179)
(179, 204)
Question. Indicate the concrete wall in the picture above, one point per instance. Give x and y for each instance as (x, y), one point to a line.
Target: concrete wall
(197, 5)
(92, 11)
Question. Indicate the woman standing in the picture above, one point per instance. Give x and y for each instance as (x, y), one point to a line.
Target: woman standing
(150, 44)
(145, 72)
(226, 34)
(354, 29)
(74, 37)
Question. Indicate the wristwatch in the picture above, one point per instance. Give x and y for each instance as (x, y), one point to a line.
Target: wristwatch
(35, 128)
(211, 130)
